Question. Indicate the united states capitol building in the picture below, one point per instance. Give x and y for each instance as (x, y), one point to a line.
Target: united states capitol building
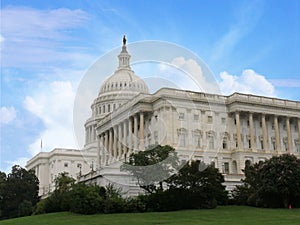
(226, 131)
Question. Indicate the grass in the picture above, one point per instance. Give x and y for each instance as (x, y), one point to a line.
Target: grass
(222, 215)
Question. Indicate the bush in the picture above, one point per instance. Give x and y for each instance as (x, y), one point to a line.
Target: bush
(25, 208)
(86, 199)
(40, 207)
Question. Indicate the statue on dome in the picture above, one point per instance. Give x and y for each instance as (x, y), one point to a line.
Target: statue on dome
(124, 40)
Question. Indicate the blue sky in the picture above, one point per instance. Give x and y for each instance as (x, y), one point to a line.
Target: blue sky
(47, 46)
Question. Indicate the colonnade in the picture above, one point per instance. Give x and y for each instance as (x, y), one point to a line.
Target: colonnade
(265, 144)
(122, 139)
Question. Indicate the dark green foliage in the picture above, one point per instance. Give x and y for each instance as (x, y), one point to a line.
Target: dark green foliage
(152, 166)
(87, 199)
(59, 200)
(195, 186)
(273, 183)
(19, 192)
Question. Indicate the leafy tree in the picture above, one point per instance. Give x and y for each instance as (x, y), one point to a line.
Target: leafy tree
(2, 190)
(60, 199)
(273, 183)
(86, 199)
(201, 184)
(152, 166)
(19, 192)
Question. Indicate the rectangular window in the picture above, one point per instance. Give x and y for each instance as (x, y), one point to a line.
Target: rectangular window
(262, 144)
(225, 144)
(249, 143)
(196, 117)
(211, 142)
(66, 165)
(182, 139)
(197, 140)
(181, 116)
(297, 147)
(226, 168)
(209, 119)
(248, 123)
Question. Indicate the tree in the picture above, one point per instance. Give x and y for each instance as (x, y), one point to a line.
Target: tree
(152, 166)
(19, 192)
(2, 190)
(273, 183)
(60, 199)
(202, 183)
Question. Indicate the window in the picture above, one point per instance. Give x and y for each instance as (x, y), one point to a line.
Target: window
(66, 165)
(181, 116)
(234, 167)
(297, 144)
(248, 123)
(196, 117)
(225, 146)
(181, 137)
(211, 142)
(197, 140)
(209, 119)
(108, 108)
(249, 143)
(223, 120)
(261, 144)
(226, 168)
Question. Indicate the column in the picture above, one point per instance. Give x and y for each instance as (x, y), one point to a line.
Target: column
(299, 129)
(277, 139)
(106, 143)
(142, 140)
(130, 135)
(251, 126)
(135, 132)
(125, 137)
(264, 130)
(102, 149)
(115, 131)
(119, 141)
(98, 153)
(288, 132)
(110, 144)
(238, 130)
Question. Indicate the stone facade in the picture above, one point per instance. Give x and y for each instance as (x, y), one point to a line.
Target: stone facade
(48, 165)
(226, 131)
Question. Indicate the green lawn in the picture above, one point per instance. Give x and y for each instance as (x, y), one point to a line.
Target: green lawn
(222, 215)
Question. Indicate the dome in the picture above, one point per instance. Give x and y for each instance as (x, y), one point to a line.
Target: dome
(124, 78)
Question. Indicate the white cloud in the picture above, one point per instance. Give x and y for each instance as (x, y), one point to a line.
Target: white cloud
(35, 36)
(20, 161)
(247, 17)
(249, 82)
(1, 39)
(189, 75)
(7, 114)
(54, 106)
